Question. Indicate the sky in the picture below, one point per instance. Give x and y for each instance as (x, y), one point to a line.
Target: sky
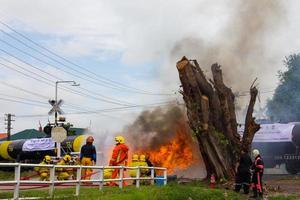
(123, 54)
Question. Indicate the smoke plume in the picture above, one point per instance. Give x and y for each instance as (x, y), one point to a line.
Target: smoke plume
(154, 128)
(241, 47)
(164, 135)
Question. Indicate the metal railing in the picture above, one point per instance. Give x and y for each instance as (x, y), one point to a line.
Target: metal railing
(100, 179)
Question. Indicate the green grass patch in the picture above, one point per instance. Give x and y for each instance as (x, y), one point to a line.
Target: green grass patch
(9, 175)
(169, 192)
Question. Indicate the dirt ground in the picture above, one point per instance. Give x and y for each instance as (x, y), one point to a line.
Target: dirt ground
(282, 184)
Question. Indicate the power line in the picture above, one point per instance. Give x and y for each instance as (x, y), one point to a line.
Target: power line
(107, 109)
(45, 82)
(102, 79)
(49, 74)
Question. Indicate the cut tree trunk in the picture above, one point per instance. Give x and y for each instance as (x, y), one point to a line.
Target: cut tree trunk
(211, 114)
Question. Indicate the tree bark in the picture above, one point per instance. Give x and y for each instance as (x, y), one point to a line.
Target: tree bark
(251, 127)
(211, 114)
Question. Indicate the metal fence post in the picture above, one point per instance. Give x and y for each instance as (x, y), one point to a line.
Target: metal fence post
(152, 176)
(138, 172)
(78, 179)
(52, 177)
(101, 178)
(17, 179)
(165, 177)
(121, 177)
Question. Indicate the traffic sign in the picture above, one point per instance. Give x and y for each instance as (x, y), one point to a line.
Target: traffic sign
(58, 134)
(56, 107)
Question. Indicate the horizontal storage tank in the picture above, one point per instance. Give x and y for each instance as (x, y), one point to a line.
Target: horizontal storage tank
(36, 149)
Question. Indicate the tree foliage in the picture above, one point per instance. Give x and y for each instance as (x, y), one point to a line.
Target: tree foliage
(285, 104)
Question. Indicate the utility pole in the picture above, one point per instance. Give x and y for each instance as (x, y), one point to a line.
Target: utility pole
(8, 120)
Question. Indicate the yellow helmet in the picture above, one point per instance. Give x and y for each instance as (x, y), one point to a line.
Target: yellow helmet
(142, 158)
(90, 139)
(47, 158)
(120, 139)
(67, 158)
(135, 157)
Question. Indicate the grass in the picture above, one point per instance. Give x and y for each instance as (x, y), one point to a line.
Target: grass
(173, 191)
(10, 174)
(169, 192)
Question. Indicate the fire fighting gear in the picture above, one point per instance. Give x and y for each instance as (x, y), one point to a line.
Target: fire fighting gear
(255, 153)
(143, 163)
(134, 163)
(107, 173)
(135, 157)
(120, 140)
(87, 156)
(63, 172)
(47, 159)
(67, 158)
(44, 172)
(258, 170)
(88, 151)
(89, 139)
(119, 158)
(243, 174)
(149, 163)
(86, 173)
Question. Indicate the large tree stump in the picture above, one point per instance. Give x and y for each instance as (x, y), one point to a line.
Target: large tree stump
(211, 114)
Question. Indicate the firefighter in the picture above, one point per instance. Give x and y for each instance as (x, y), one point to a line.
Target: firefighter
(143, 163)
(134, 163)
(257, 173)
(150, 164)
(63, 172)
(44, 172)
(73, 171)
(107, 173)
(243, 174)
(119, 157)
(88, 157)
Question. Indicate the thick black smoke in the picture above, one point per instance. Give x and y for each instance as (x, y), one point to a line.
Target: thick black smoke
(154, 128)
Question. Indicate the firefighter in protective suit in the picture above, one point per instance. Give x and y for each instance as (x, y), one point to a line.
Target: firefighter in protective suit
(88, 157)
(63, 172)
(243, 174)
(143, 163)
(44, 172)
(134, 163)
(119, 157)
(257, 173)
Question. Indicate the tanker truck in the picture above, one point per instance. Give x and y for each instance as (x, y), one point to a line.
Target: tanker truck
(34, 150)
(278, 144)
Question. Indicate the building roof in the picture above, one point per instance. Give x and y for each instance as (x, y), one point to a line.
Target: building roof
(27, 134)
(3, 135)
(32, 133)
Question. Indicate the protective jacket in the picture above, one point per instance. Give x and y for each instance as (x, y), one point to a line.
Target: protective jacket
(88, 151)
(120, 155)
(243, 174)
(258, 170)
(63, 173)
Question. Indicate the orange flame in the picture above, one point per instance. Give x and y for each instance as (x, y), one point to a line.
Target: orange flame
(175, 155)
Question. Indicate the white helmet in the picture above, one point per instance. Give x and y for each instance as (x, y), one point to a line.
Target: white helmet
(255, 152)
